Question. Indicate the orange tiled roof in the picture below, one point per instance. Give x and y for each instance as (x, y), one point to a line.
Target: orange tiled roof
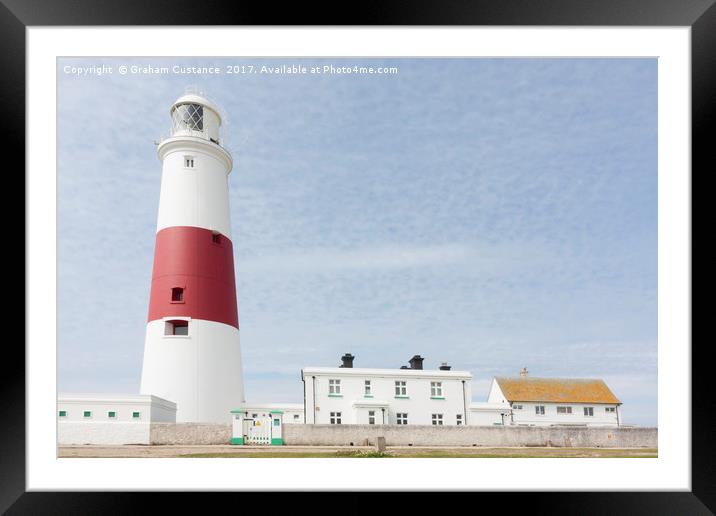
(560, 390)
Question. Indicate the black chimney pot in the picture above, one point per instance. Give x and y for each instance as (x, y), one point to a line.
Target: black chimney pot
(347, 360)
(416, 362)
(444, 367)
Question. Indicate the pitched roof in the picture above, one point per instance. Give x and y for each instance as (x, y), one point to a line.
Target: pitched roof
(560, 390)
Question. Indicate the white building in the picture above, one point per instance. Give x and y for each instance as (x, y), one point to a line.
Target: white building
(489, 414)
(405, 396)
(110, 418)
(556, 401)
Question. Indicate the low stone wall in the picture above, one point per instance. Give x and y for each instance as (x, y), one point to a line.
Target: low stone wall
(102, 432)
(190, 433)
(488, 436)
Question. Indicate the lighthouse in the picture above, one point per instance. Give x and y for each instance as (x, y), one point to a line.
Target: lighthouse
(192, 354)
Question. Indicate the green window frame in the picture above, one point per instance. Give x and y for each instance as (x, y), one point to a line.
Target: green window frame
(135, 415)
(87, 413)
(63, 413)
(112, 414)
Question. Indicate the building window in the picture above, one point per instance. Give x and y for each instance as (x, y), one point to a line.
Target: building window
(254, 416)
(516, 407)
(334, 387)
(87, 413)
(335, 418)
(564, 410)
(189, 161)
(610, 409)
(539, 410)
(216, 238)
(111, 414)
(588, 411)
(436, 389)
(400, 388)
(177, 295)
(459, 419)
(401, 418)
(176, 328)
(295, 417)
(135, 415)
(371, 417)
(367, 389)
(437, 419)
(63, 413)
(276, 422)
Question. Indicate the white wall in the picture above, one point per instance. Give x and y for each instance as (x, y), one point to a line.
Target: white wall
(150, 408)
(489, 414)
(288, 409)
(289, 417)
(201, 372)
(418, 404)
(196, 196)
(527, 415)
(495, 395)
(99, 428)
(102, 432)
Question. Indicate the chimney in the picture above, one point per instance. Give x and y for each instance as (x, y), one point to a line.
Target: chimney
(347, 360)
(524, 372)
(416, 362)
(444, 367)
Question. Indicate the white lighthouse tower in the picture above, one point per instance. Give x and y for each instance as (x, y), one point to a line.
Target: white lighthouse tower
(191, 353)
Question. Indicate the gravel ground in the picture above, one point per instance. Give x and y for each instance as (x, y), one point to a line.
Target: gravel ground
(134, 451)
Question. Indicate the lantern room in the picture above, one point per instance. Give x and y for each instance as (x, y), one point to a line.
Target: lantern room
(194, 115)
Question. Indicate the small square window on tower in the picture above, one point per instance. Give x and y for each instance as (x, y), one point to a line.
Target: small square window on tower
(189, 161)
(177, 295)
(176, 328)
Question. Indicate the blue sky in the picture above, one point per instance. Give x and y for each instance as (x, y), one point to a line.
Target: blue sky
(488, 213)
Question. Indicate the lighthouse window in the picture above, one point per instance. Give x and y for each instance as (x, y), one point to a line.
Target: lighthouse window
(176, 328)
(216, 238)
(189, 161)
(188, 117)
(177, 295)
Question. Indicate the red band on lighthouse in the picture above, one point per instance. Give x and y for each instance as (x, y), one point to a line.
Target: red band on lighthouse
(193, 276)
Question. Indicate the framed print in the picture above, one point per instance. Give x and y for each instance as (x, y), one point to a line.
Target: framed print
(463, 238)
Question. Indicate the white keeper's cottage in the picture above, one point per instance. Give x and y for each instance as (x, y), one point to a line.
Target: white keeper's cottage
(406, 396)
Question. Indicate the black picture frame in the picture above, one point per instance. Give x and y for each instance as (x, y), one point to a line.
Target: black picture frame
(699, 15)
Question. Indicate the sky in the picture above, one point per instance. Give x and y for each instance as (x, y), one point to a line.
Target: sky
(493, 214)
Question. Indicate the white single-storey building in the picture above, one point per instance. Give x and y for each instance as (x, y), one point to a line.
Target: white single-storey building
(489, 414)
(406, 396)
(110, 418)
(556, 401)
